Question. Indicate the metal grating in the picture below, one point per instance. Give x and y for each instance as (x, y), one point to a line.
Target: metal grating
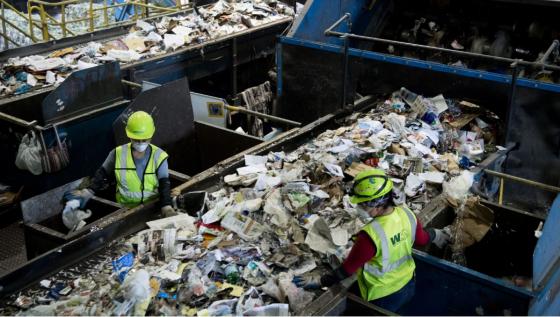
(12, 247)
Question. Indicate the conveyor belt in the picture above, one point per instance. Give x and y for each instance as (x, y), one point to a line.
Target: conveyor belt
(127, 222)
(197, 50)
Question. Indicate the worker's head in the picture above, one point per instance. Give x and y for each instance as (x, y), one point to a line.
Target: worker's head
(372, 191)
(140, 128)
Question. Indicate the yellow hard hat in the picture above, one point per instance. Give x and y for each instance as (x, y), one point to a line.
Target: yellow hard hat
(369, 185)
(140, 126)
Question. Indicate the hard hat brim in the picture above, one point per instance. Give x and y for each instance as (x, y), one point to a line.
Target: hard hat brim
(356, 200)
(139, 136)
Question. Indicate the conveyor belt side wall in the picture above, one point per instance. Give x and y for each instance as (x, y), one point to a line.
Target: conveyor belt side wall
(546, 266)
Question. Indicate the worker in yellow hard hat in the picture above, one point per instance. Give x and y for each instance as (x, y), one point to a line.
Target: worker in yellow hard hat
(139, 168)
(382, 253)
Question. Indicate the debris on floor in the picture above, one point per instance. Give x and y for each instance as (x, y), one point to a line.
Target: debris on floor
(280, 215)
(145, 39)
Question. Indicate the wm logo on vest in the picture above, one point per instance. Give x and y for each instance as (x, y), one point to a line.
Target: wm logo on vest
(396, 238)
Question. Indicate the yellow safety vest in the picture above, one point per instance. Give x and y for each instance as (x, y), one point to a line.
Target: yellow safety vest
(131, 190)
(392, 267)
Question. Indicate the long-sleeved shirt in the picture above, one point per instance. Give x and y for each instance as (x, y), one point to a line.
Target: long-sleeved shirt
(364, 249)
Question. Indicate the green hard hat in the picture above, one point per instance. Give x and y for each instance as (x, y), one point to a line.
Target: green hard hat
(140, 126)
(369, 185)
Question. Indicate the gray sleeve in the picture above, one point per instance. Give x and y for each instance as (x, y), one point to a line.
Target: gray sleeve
(163, 170)
(109, 164)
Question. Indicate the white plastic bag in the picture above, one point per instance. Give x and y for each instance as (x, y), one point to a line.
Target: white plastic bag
(29, 154)
(458, 187)
(72, 217)
(136, 286)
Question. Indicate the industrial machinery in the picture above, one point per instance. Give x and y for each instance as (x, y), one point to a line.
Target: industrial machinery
(323, 69)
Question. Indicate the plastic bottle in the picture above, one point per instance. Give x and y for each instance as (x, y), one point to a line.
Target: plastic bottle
(232, 273)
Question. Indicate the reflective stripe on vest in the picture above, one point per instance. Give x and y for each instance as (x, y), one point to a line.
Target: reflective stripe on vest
(392, 267)
(131, 190)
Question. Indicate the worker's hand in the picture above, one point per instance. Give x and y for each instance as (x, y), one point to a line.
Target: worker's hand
(85, 193)
(81, 195)
(168, 211)
(441, 238)
(311, 281)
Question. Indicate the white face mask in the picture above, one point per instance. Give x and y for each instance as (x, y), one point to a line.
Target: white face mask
(140, 146)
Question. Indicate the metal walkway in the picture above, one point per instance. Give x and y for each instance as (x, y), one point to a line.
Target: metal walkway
(12, 247)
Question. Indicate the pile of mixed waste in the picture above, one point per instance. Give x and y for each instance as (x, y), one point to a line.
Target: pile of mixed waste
(146, 39)
(280, 215)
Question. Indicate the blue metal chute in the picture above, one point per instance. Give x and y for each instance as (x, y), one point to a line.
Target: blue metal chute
(546, 266)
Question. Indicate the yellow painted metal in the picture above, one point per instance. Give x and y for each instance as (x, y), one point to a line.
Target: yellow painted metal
(524, 181)
(91, 17)
(105, 13)
(501, 197)
(142, 9)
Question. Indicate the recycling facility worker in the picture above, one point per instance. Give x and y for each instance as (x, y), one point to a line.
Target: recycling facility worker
(140, 169)
(382, 252)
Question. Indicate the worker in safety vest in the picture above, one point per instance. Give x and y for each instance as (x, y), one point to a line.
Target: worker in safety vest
(382, 253)
(139, 168)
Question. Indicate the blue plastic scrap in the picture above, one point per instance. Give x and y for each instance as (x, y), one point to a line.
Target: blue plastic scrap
(122, 265)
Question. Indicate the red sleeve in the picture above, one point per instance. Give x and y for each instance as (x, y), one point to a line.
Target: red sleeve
(422, 237)
(362, 251)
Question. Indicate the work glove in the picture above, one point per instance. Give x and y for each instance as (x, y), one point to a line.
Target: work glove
(440, 237)
(81, 195)
(168, 211)
(312, 281)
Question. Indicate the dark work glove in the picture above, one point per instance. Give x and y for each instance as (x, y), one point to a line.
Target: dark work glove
(81, 195)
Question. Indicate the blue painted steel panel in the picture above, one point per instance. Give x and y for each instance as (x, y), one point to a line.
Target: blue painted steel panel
(320, 14)
(445, 288)
(547, 303)
(472, 73)
(546, 266)
(402, 60)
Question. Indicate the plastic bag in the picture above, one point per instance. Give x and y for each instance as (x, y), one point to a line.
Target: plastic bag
(57, 155)
(458, 187)
(29, 154)
(136, 286)
(72, 217)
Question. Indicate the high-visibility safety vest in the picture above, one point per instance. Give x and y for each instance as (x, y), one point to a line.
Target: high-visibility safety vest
(392, 267)
(131, 190)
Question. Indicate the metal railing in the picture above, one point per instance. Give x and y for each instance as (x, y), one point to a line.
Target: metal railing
(5, 22)
(520, 180)
(347, 35)
(514, 64)
(142, 10)
(40, 21)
